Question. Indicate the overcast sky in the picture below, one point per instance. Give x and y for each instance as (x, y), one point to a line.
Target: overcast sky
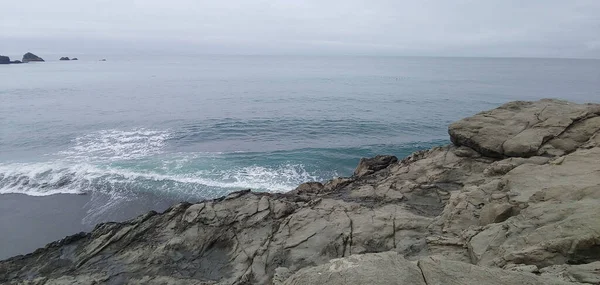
(530, 28)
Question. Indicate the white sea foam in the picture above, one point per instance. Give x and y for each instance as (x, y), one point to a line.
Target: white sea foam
(47, 178)
(115, 145)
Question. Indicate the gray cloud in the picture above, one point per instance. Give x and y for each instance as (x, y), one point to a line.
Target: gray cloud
(549, 28)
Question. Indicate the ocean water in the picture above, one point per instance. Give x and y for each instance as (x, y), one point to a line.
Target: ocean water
(199, 127)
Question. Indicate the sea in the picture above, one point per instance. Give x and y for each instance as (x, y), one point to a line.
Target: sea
(194, 127)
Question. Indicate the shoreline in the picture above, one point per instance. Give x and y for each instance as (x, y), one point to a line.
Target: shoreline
(513, 200)
(31, 222)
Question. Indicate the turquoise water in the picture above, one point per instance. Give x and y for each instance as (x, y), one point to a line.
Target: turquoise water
(190, 128)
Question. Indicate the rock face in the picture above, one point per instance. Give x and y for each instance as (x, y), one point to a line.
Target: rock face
(64, 58)
(513, 201)
(525, 129)
(29, 57)
(4, 59)
(391, 268)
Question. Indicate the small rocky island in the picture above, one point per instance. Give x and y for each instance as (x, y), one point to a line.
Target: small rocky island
(515, 199)
(6, 60)
(30, 57)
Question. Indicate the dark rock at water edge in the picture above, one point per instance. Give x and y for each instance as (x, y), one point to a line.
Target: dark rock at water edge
(74, 58)
(4, 59)
(16, 62)
(367, 166)
(29, 57)
(65, 58)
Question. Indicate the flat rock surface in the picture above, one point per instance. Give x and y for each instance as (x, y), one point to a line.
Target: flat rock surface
(513, 201)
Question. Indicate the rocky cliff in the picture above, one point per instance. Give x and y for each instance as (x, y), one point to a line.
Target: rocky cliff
(514, 200)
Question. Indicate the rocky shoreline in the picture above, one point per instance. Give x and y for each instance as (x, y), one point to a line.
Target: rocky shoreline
(515, 199)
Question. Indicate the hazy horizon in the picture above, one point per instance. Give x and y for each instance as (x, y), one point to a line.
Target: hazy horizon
(548, 29)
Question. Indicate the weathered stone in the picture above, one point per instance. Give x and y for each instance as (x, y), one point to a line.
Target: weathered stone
(584, 273)
(496, 213)
(368, 166)
(444, 272)
(521, 129)
(4, 59)
(387, 268)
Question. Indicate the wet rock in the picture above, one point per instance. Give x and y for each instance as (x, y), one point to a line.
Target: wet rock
(4, 59)
(64, 58)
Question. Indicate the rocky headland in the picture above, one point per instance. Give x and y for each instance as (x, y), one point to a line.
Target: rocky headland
(515, 199)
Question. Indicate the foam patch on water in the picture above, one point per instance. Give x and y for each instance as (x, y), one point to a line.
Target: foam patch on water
(114, 145)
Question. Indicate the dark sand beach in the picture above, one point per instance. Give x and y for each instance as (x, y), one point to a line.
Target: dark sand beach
(30, 222)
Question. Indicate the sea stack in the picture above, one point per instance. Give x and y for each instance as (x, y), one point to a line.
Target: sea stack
(65, 58)
(4, 59)
(28, 57)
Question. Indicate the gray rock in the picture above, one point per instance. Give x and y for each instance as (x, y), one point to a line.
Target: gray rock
(4, 59)
(584, 273)
(29, 57)
(368, 166)
(64, 58)
(445, 272)
(390, 268)
(387, 268)
(522, 129)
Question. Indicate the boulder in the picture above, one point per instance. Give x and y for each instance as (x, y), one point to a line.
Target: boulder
(4, 59)
(524, 129)
(64, 58)
(29, 57)
(74, 58)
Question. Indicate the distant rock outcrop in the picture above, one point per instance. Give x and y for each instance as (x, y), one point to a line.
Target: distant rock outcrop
(4, 59)
(29, 57)
(65, 58)
(74, 58)
(515, 200)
